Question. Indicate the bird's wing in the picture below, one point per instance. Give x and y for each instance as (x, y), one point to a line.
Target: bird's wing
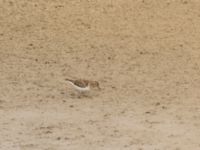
(81, 83)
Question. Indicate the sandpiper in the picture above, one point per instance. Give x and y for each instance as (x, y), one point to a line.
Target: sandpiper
(82, 85)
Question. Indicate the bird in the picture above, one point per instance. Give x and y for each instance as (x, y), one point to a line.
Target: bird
(82, 85)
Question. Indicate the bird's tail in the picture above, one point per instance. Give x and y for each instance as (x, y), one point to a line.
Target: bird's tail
(70, 80)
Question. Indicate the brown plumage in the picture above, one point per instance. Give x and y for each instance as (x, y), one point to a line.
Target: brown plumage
(83, 85)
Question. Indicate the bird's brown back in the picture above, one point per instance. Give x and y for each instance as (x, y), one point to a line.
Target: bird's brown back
(81, 83)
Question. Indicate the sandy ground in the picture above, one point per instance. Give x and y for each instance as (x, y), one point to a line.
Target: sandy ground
(144, 53)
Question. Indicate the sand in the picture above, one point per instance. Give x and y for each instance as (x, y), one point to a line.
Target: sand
(145, 55)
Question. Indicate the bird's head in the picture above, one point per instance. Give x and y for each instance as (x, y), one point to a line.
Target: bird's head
(95, 84)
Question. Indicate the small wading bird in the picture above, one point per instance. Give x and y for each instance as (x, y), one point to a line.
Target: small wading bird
(82, 85)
